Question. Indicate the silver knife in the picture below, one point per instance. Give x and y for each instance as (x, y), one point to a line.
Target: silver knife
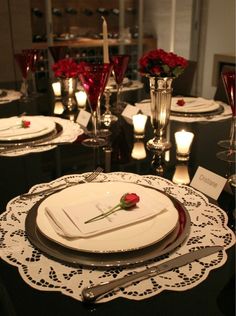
(92, 293)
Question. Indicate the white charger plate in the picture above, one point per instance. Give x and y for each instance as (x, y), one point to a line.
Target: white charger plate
(124, 239)
(39, 126)
(187, 108)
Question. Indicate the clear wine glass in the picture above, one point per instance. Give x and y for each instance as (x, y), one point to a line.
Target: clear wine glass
(120, 65)
(24, 61)
(107, 118)
(94, 78)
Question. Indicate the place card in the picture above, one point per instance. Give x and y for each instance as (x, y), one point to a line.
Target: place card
(83, 118)
(208, 182)
(129, 112)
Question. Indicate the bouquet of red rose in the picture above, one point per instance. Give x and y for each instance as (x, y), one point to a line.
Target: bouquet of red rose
(65, 68)
(162, 64)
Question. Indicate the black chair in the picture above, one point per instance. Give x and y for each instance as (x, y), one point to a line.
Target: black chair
(183, 84)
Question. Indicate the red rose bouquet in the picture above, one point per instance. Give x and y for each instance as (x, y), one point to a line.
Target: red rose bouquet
(65, 68)
(162, 64)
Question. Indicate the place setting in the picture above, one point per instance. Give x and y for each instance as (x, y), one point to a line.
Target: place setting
(30, 134)
(7, 96)
(192, 109)
(91, 238)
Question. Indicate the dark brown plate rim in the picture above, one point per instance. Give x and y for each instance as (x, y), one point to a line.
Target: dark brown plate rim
(34, 140)
(218, 111)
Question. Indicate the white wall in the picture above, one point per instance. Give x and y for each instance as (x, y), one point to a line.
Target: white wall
(220, 39)
(157, 21)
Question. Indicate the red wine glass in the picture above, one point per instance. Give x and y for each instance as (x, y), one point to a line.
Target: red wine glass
(120, 65)
(24, 61)
(229, 154)
(34, 56)
(94, 78)
(228, 79)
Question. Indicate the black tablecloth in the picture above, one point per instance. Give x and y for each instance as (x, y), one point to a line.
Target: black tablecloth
(214, 296)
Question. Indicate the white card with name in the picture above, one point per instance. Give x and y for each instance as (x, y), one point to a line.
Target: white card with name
(83, 118)
(130, 111)
(208, 182)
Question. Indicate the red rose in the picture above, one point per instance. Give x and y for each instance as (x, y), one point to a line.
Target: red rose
(180, 102)
(65, 68)
(25, 124)
(128, 200)
(160, 63)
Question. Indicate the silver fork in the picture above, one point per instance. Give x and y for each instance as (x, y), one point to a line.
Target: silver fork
(61, 186)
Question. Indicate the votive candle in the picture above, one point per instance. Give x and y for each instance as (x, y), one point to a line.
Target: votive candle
(139, 122)
(56, 86)
(183, 142)
(81, 98)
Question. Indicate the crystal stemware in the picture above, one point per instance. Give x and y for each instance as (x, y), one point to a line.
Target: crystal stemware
(229, 154)
(107, 118)
(24, 61)
(94, 78)
(230, 144)
(33, 55)
(228, 79)
(120, 65)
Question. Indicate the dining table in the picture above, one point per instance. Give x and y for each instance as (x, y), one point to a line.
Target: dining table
(41, 275)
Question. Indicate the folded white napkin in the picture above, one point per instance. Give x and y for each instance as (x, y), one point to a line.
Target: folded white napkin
(69, 221)
(11, 127)
(193, 105)
(145, 107)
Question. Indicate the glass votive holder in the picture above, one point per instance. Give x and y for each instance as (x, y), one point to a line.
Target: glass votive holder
(181, 174)
(81, 98)
(58, 108)
(138, 151)
(139, 122)
(56, 87)
(183, 142)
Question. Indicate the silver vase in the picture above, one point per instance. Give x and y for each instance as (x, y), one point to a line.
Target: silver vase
(160, 93)
(68, 88)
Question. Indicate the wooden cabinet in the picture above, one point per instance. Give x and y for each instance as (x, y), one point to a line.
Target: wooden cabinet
(77, 25)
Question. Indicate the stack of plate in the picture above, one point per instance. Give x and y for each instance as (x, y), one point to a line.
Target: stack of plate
(134, 243)
(40, 129)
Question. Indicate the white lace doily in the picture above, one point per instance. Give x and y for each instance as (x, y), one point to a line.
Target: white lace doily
(70, 132)
(208, 227)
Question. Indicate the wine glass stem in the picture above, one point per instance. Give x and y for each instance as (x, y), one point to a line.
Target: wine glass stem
(94, 116)
(233, 133)
(24, 87)
(118, 98)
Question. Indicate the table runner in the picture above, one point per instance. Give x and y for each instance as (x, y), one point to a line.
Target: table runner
(208, 227)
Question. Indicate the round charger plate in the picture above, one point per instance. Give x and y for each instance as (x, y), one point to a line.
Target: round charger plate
(103, 260)
(39, 126)
(125, 238)
(11, 145)
(214, 106)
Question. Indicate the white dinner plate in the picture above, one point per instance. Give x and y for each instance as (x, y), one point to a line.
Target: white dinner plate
(11, 130)
(190, 107)
(131, 237)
